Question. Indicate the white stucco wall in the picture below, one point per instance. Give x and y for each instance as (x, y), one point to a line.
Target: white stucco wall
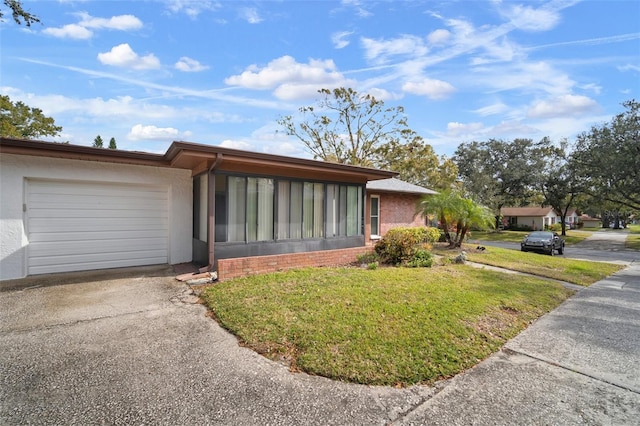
(15, 169)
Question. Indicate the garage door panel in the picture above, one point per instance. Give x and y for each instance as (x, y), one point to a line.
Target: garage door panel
(58, 248)
(105, 213)
(73, 264)
(76, 226)
(64, 225)
(99, 235)
(88, 188)
(131, 201)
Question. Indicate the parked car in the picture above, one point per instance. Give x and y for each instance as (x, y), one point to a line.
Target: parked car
(544, 241)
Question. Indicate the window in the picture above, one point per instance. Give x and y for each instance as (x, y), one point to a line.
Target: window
(375, 215)
(237, 190)
(200, 199)
(251, 209)
(259, 209)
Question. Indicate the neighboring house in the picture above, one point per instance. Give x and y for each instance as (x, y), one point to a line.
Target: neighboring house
(590, 222)
(392, 203)
(535, 218)
(71, 208)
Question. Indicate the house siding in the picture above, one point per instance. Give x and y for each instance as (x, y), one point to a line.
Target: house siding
(396, 210)
(17, 169)
(242, 266)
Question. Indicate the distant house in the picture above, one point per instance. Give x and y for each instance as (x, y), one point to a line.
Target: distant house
(590, 222)
(535, 218)
(392, 203)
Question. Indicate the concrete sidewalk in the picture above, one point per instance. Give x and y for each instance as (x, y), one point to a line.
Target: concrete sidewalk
(579, 364)
(140, 350)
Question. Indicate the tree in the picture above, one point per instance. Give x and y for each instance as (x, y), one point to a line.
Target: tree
(18, 13)
(497, 173)
(97, 142)
(18, 120)
(346, 127)
(455, 213)
(560, 185)
(417, 163)
(112, 143)
(608, 159)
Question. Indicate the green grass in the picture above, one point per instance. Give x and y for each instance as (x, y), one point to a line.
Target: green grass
(573, 236)
(579, 272)
(388, 326)
(633, 239)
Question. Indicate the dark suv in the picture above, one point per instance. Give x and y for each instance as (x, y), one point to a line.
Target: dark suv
(544, 241)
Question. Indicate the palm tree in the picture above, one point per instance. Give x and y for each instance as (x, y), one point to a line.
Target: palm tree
(443, 206)
(451, 209)
(472, 215)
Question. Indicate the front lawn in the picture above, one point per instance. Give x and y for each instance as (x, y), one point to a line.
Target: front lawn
(573, 236)
(579, 272)
(633, 239)
(387, 326)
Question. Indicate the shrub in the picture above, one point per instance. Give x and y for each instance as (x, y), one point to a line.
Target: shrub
(555, 227)
(421, 259)
(400, 244)
(367, 258)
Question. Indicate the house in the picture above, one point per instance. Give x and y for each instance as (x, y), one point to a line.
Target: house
(535, 218)
(392, 203)
(72, 208)
(590, 222)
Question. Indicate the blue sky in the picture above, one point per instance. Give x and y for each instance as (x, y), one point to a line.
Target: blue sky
(223, 72)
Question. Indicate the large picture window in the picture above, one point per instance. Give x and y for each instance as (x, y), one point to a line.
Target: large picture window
(266, 209)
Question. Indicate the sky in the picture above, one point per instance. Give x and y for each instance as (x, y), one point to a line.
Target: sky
(223, 72)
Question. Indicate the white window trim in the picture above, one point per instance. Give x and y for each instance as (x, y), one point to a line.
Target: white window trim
(375, 236)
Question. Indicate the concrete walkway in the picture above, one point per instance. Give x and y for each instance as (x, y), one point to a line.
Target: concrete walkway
(139, 349)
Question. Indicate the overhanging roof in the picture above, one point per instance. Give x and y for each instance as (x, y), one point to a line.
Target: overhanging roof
(397, 185)
(199, 158)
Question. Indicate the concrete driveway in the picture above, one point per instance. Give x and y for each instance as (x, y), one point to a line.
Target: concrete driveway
(136, 348)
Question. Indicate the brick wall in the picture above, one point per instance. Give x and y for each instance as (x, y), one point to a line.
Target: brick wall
(398, 210)
(241, 266)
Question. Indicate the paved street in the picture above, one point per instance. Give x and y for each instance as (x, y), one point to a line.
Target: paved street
(137, 348)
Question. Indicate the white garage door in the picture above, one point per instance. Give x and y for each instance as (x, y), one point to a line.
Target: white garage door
(76, 226)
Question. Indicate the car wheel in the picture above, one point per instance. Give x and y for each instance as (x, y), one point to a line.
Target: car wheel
(551, 251)
(561, 250)
(522, 249)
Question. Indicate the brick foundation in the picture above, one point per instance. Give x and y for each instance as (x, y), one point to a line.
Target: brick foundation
(242, 266)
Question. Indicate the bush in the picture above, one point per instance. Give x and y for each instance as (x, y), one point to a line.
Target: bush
(555, 227)
(367, 258)
(421, 259)
(519, 227)
(400, 244)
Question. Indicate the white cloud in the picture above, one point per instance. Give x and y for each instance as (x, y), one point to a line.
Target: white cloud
(123, 56)
(289, 79)
(433, 89)
(140, 132)
(497, 108)
(74, 31)
(561, 106)
(187, 64)
(119, 22)
(439, 37)
(380, 51)
(455, 129)
(528, 18)
(237, 144)
(630, 67)
(83, 29)
(189, 7)
(340, 39)
(250, 14)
